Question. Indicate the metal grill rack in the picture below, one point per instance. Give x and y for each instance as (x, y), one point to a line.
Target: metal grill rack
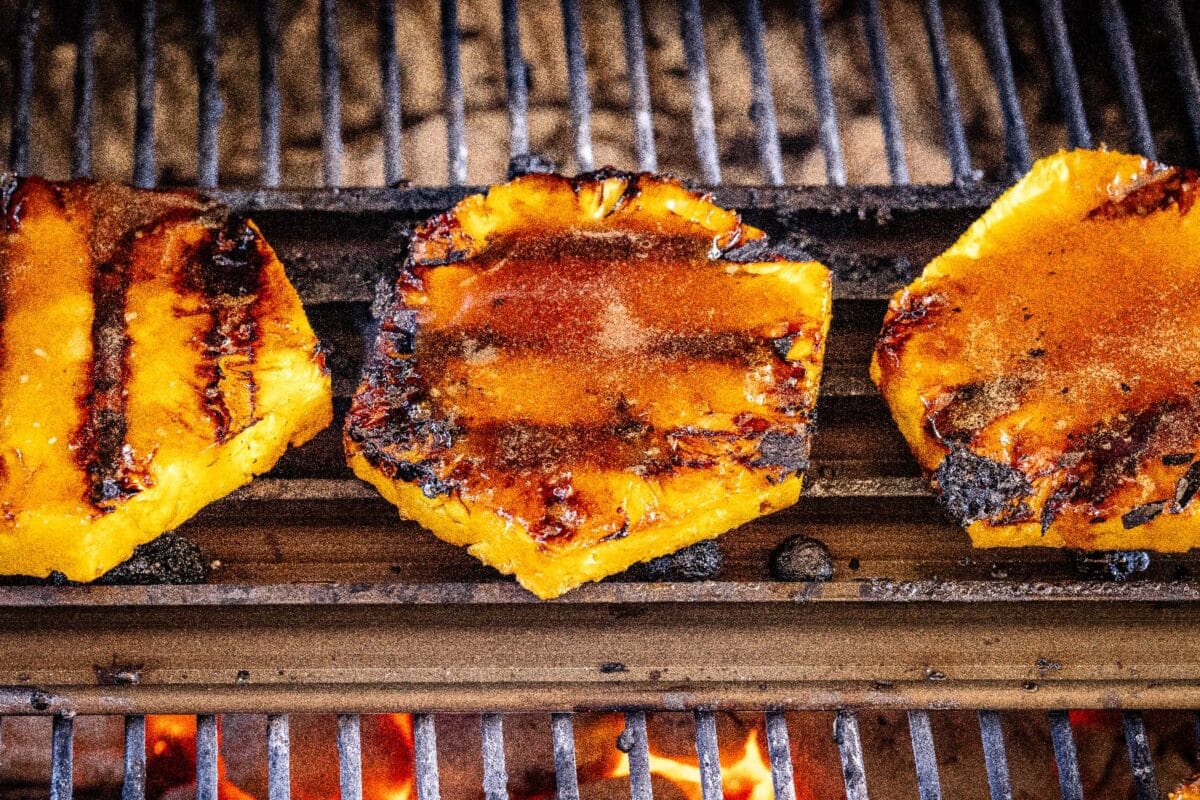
(296, 213)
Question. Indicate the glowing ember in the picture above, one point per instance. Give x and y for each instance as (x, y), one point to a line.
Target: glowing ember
(748, 778)
(171, 758)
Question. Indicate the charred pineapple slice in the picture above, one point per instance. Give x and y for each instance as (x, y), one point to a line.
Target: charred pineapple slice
(153, 357)
(573, 376)
(1045, 368)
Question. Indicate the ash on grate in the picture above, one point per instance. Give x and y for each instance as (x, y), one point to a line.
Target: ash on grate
(169, 559)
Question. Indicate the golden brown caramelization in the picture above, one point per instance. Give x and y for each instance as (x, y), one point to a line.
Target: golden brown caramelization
(1045, 369)
(153, 357)
(576, 375)
(1188, 790)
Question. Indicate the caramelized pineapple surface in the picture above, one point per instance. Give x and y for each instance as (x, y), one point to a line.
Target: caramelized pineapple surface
(576, 375)
(1045, 368)
(153, 357)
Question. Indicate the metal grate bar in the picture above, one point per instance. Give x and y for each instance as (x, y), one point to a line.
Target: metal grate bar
(85, 72)
(389, 86)
(210, 99)
(636, 743)
(456, 124)
(562, 731)
(279, 758)
(62, 757)
(779, 750)
(929, 784)
(818, 67)
(1185, 65)
(27, 25)
(708, 751)
(691, 26)
(515, 81)
(1196, 737)
(845, 734)
(577, 87)
(947, 91)
(1062, 60)
(495, 774)
(143, 131)
(331, 96)
(1065, 756)
(206, 757)
(133, 787)
(762, 101)
(1116, 31)
(885, 97)
(349, 744)
(1141, 762)
(995, 758)
(1016, 139)
(268, 92)
(425, 757)
(639, 85)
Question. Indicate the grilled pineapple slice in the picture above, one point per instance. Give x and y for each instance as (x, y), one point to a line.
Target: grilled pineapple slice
(1045, 368)
(572, 376)
(153, 357)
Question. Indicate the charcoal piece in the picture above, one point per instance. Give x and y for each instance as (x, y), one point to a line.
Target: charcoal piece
(698, 562)
(974, 488)
(170, 558)
(1114, 565)
(528, 163)
(802, 558)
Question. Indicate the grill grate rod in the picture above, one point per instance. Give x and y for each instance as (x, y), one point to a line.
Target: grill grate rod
(279, 766)
(331, 96)
(133, 787)
(85, 72)
(206, 757)
(779, 751)
(1141, 762)
(634, 741)
(818, 67)
(209, 113)
(62, 757)
(691, 28)
(845, 734)
(1016, 138)
(1185, 65)
(639, 85)
(580, 102)
(762, 101)
(929, 785)
(389, 88)
(27, 25)
(1065, 756)
(515, 80)
(349, 745)
(947, 92)
(268, 92)
(1116, 31)
(456, 125)
(885, 97)
(562, 731)
(708, 752)
(425, 757)
(995, 758)
(495, 773)
(1066, 76)
(143, 130)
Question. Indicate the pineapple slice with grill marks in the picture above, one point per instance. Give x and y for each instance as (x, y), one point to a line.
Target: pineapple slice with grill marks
(572, 376)
(1045, 369)
(153, 358)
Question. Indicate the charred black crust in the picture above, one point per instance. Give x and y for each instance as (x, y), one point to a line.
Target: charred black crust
(1178, 459)
(763, 249)
(1187, 487)
(787, 449)
(974, 488)
(1140, 515)
(1155, 192)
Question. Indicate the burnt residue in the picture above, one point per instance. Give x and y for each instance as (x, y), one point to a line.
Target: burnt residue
(962, 411)
(1111, 565)
(1178, 459)
(913, 313)
(974, 488)
(1140, 515)
(1152, 193)
(698, 562)
(787, 449)
(171, 558)
(1186, 487)
(802, 558)
(117, 673)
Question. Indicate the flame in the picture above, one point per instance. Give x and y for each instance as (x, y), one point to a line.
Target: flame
(171, 757)
(748, 778)
(395, 777)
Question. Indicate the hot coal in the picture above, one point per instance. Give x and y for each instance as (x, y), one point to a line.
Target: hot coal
(698, 562)
(802, 558)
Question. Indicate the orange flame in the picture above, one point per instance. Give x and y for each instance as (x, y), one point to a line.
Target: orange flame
(748, 778)
(171, 757)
